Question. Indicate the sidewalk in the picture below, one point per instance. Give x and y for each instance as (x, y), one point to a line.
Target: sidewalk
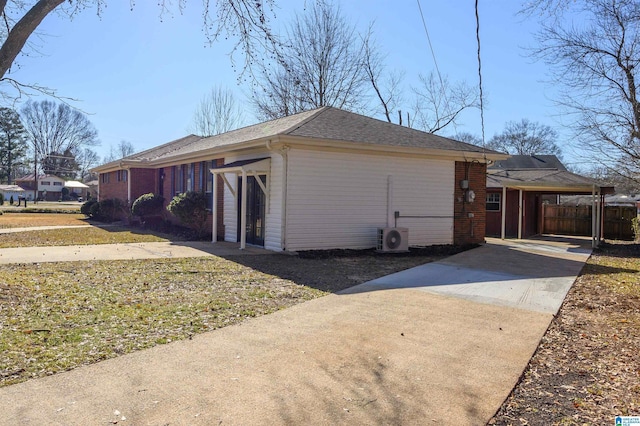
(391, 351)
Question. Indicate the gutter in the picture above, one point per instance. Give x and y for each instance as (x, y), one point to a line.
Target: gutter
(283, 152)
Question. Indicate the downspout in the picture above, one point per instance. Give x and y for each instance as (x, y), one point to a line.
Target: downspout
(593, 216)
(283, 152)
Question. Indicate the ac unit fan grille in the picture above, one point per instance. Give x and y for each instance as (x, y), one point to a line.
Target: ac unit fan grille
(393, 239)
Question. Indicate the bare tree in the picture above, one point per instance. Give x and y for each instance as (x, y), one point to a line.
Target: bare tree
(322, 64)
(439, 103)
(216, 113)
(56, 129)
(525, 137)
(597, 65)
(123, 149)
(246, 21)
(468, 138)
(86, 159)
(385, 84)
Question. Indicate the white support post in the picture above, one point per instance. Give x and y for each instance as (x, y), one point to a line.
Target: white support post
(520, 214)
(243, 212)
(593, 217)
(504, 213)
(214, 210)
(598, 219)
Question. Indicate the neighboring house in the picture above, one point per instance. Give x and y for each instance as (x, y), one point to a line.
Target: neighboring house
(321, 179)
(76, 189)
(518, 187)
(9, 191)
(49, 187)
(92, 192)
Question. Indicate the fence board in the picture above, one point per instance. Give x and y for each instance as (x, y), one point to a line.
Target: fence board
(576, 220)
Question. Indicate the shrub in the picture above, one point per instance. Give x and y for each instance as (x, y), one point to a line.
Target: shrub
(147, 205)
(11, 200)
(635, 224)
(1, 198)
(191, 210)
(85, 209)
(107, 210)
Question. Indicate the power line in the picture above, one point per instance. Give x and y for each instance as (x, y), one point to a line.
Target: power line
(433, 55)
(480, 74)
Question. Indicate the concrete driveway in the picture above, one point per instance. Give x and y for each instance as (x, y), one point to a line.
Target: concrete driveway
(440, 344)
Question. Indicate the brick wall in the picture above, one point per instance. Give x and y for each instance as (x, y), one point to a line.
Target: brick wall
(143, 181)
(113, 188)
(469, 230)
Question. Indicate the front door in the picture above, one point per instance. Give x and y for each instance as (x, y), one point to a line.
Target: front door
(255, 213)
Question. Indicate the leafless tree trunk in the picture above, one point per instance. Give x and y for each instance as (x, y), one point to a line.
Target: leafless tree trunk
(387, 90)
(216, 113)
(597, 66)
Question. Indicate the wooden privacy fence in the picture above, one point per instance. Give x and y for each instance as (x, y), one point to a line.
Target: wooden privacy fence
(576, 220)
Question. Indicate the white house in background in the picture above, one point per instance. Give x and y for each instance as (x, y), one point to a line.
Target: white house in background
(49, 187)
(76, 189)
(9, 191)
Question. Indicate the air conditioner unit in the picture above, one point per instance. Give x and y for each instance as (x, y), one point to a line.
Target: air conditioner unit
(393, 239)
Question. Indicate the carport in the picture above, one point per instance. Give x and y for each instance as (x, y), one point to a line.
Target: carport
(523, 191)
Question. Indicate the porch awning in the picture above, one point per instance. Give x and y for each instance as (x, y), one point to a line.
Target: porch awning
(244, 168)
(253, 166)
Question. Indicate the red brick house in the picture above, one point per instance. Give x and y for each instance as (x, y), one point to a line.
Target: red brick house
(320, 179)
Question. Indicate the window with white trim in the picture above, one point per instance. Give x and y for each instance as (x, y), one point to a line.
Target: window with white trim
(493, 201)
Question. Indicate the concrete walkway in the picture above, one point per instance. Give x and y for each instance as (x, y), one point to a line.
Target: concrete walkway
(440, 344)
(128, 251)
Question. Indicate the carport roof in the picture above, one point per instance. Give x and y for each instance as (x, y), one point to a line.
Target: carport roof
(546, 180)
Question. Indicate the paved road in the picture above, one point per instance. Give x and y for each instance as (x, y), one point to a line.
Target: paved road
(406, 349)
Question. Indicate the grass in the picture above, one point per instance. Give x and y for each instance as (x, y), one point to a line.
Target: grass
(22, 220)
(59, 316)
(66, 237)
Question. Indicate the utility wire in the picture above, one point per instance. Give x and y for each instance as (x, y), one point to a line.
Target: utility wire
(480, 75)
(435, 62)
(424, 24)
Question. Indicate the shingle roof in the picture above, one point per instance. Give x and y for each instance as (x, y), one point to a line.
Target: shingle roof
(542, 177)
(529, 162)
(324, 123)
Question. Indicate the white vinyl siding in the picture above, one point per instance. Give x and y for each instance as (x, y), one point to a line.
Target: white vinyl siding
(339, 200)
(273, 211)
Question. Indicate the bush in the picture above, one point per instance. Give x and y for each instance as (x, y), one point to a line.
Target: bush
(1, 199)
(108, 210)
(11, 200)
(191, 210)
(147, 205)
(635, 224)
(85, 209)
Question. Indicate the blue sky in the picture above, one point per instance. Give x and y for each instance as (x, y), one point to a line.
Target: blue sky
(140, 76)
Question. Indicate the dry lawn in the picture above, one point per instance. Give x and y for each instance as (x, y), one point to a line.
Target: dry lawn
(22, 220)
(82, 236)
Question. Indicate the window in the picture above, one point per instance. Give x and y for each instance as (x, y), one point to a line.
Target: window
(493, 201)
(190, 177)
(105, 177)
(177, 177)
(122, 175)
(46, 183)
(57, 183)
(208, 186)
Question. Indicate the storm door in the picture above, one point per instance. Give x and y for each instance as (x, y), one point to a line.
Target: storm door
(255, 213)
